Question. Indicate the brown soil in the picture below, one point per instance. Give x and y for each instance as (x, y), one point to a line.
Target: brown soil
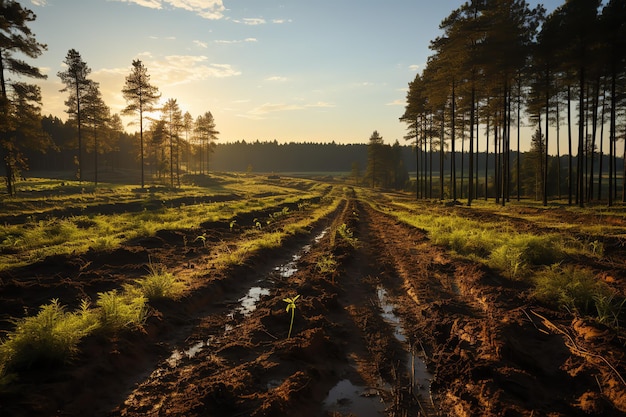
(489, 348)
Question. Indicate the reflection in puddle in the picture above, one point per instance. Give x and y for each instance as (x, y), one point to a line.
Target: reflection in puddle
(357, 400)
(192, 351)
(287, 270)
(418, 373)
(389, 316)
(249, 301)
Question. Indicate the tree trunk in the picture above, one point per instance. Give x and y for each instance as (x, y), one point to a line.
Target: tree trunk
(612, 132)
(594, 130)
(601, 162)
(470, 185)
(442, 155)
(141, 145)
(581, 140)
(545, 168)
(570, 173)
(452, 151)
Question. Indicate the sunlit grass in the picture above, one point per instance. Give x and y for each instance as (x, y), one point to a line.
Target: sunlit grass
(570, 288)
(493, 243)
(51, 336)
(256, 240)
(159, 283)
(34, 240)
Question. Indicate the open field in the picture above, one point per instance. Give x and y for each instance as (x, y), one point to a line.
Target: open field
(266, 296)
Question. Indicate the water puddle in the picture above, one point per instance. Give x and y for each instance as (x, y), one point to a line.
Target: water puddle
(247, 303)
(389, 316)
(345, 397)
(178, 355)
(418, 373)
(288, 269)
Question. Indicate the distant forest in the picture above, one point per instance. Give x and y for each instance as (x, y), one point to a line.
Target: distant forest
(349, 161)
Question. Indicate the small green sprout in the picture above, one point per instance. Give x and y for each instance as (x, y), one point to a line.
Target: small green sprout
(201, 238)
(291, 305)
(232, 225)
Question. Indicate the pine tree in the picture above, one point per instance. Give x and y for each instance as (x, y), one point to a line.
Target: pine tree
(141, 96)
(18, 131)
(77, 84)
(206, 135)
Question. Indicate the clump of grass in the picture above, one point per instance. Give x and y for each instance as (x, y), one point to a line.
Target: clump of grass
(327, 265)
(568, 287)
(517, 255)
(121, 310)
(509, 260)
(50, 337)
(159, 283)
(346, 234)
(610, 308)
(103, 243)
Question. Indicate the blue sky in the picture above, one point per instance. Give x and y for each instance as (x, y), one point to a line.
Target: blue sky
(290, 70)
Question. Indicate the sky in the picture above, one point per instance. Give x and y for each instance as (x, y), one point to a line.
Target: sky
(285, 70)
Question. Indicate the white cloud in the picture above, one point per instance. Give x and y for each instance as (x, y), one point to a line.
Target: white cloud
(276, 78)
(201, 44)
(281, 21)
(40, 3)
(228, 42)
(274, 107)
(174, 69)
(181, 69)
(398, 102)
(251, 21)
(151, 4)
(320, 104)
(414, 67)
(208, 9)
(266, 108)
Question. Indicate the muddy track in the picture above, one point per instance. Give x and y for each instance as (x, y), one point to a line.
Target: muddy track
(399, 328)
(492, 350)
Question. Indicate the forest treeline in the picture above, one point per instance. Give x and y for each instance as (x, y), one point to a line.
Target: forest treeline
(333, 159)
(498, 65)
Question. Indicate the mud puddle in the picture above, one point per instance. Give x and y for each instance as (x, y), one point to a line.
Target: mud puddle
(346, 397)
(418, 373)
(247, 304)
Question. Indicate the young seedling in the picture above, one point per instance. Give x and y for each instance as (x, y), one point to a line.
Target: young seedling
(201, 238)
(291, 305)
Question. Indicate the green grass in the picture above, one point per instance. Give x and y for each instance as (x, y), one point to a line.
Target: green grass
(495, 243)
(570, 288)
(120, 310)
(50, 337)
(327, 265)
(159, 283)
(26, 243)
